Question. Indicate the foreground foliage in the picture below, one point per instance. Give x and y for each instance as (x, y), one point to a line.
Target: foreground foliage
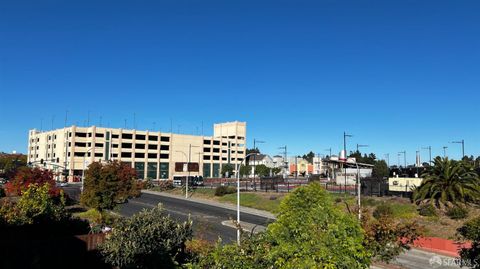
(149, 239)
(26, 176)
(36, 205)
(310, 232)
(471, 231)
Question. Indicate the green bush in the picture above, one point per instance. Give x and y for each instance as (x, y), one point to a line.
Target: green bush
(457, 212)
(471, 231)
(427, 210)
(310, 232)
(383, 210)
(165, 185)
(222, 190)
(149, 239)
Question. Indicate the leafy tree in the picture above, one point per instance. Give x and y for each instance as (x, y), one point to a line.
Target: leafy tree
(310, 232)
(448, 181)
(368, 159)
(149, 239)
(36, 205)
(383, 231)
(262, 170)
(245, 170)
(471, 231)
(309, 157)
(105, 185)
(227, 168)
(26, 176)
(380, 169)
(276, 170)
(10, 163)
(255, 150)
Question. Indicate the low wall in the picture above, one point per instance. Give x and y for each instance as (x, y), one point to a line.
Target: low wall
(441, 246)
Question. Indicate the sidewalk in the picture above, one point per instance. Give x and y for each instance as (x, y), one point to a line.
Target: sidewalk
(243, 209)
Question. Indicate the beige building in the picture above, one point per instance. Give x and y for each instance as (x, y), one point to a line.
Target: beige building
(153, 154)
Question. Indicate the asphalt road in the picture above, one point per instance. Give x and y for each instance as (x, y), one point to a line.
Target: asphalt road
(207, 219)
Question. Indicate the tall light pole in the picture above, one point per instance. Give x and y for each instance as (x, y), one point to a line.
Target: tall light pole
(255, 142)
(404, 157)
(345, 135)
(361, 146)
(188, 161)
(83, 170)
(463, 146)
(238, 195)
(330, 152)
(387, 157)
(445, 151)
(429, 153)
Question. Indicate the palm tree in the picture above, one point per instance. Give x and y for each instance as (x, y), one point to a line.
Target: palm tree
(448, 181)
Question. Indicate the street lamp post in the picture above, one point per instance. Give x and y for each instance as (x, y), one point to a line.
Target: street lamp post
(254, 162)
(345, 135)
(429, 153)
(404, 157)
(463, 146)
(445, 151)
(186, 181)
(361, 146)
(238, 195)
(83, 171)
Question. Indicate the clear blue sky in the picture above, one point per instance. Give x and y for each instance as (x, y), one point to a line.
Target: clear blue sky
(398, 75)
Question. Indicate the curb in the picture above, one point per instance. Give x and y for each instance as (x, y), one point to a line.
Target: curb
(248, 210)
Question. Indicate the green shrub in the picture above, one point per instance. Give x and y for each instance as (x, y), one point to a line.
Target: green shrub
(457, 212)
(165, 185)
(427, 210)
(222, 190)
(383, 210)
(471, 231)
(149, 239)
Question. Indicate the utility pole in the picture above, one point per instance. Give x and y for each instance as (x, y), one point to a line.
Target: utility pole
(345, 135)
(429, 153)
(463, 146)
(254, 164)
(445, 151)
(404, 157)
(330, 152)
(361, 146)
(387, 157)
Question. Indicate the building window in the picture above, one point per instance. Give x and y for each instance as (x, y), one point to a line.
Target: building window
(140, 137)
(140, 146)
(216, 158)
(153, 137)
(115, 145)
(231, 137)
(215, 142)
(207, 142)
(224, 151)
(115, 155)
(127, 145)
(163, 156)
(165, 139)
(164, 170)
(126, 155)
(164, 147)
(152, 147)
(139, 155)
(99, 135)
(79, 154)
(80, 144)
(224, 159)
(216, 150)
(80, 134)
(98, 154)
(206, 157)
(224, 144)
(207, 168)
(152, 155)
(152, 170)
(98, 145)
(140, 168)
(114, 135)
(127, 136)
(206, 149)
